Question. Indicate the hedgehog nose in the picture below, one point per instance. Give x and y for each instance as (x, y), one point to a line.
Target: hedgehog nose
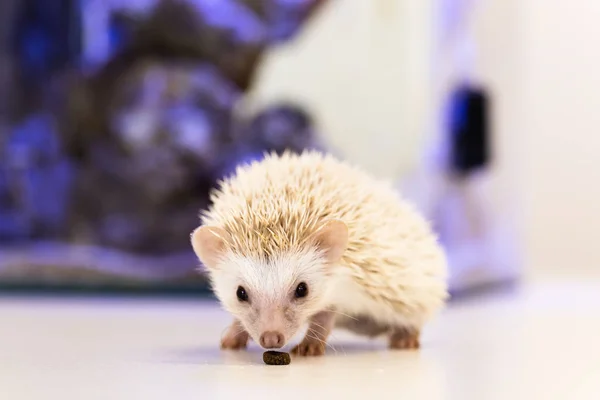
(271, 340)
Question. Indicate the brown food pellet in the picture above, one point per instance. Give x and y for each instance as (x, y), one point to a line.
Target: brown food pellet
(276, 358)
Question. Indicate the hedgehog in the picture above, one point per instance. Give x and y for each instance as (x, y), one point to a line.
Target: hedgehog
(296, 240)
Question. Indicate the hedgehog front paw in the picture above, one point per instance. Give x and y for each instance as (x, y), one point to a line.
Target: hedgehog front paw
(236, 338)
(309, 347)
(234, 343)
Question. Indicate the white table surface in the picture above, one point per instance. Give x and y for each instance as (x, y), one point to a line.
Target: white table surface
(542, 343)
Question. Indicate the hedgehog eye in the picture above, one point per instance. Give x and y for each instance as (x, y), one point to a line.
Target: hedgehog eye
(241, 294)
(301, 290)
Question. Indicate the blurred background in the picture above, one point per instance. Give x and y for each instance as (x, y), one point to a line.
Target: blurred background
(118, 117)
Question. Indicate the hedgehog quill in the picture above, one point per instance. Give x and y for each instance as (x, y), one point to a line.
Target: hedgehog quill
(296, 240)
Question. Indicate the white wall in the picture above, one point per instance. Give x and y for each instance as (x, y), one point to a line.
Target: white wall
(542, 59)
(562, 141)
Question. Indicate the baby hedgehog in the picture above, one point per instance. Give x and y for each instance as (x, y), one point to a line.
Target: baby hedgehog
(298, 239)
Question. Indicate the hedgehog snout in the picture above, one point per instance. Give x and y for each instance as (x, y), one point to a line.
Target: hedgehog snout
(272, 340)
(273, 327)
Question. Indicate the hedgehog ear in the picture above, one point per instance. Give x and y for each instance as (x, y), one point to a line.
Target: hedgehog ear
(332, 239)
(208, 243)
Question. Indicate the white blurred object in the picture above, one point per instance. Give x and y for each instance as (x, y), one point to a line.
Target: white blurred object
(362, 68)
(481, 246)
(378, 76)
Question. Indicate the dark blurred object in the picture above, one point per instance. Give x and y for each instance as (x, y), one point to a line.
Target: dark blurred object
(140, 181)
(283, 18)
(282, 127)
(158, 127)
(105, 183)
(44, 41)
(8, 10)
(34, 182)
(469, 130)
(122, 28)
(279, 128)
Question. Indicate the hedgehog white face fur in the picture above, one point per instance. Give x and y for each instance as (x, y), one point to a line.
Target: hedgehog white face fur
(278, 293)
